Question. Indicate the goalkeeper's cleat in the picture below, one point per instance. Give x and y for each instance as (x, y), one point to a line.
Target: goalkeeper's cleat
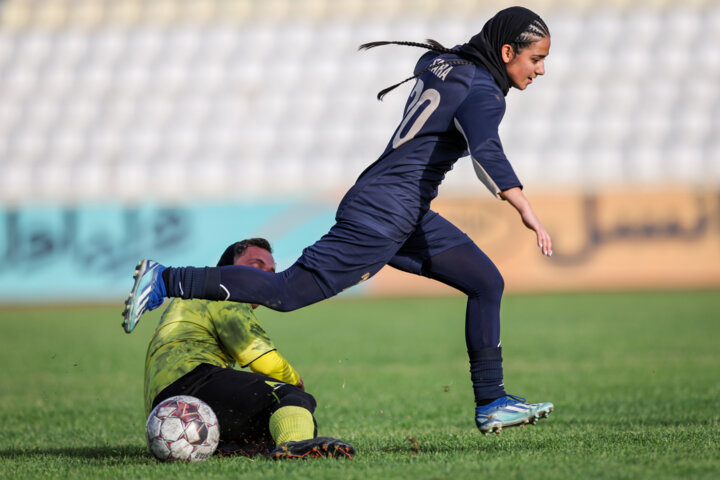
(314, 448)
(509, 411)
(148, 293)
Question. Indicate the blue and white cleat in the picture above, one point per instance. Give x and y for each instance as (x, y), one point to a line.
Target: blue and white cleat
(148, 293)
(509, 411)
(542, 410)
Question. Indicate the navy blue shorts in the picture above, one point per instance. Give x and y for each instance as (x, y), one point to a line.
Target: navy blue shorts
(351, 253)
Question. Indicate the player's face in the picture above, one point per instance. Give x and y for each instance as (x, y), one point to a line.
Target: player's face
(256, 257)
(523, 67)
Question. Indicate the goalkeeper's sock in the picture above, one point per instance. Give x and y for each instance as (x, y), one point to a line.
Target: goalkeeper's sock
(291, 424)
(486, 373)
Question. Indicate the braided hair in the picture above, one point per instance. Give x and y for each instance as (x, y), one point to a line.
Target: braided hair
(537, 30)
(477, 51)
(431, 44)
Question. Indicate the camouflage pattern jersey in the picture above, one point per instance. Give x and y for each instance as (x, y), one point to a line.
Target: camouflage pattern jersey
(194, 331)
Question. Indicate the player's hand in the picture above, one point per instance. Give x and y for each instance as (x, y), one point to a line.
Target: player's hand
(517, 199)
(544, 242)
(301, 385)
(543, 237)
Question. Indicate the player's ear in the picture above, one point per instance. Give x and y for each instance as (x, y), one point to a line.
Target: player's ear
(507, 52)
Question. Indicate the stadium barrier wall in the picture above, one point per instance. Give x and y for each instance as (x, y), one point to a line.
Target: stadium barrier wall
(662, 239)
(87, 253)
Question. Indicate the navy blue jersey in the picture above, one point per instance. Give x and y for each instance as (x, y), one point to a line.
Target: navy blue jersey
(452, 110)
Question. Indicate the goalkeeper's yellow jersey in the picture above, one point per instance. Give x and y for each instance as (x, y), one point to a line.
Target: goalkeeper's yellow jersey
(195, 331)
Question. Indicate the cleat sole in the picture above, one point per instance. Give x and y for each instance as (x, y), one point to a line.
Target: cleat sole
(325, 449)
(128, 301)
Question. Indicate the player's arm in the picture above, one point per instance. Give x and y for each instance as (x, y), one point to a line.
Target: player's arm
(276, 366)
(242, 337)
(478, 118)
(517, 199)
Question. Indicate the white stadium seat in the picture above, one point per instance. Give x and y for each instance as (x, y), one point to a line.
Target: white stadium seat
(99, 99)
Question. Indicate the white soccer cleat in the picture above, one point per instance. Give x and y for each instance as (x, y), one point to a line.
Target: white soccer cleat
(148, 293)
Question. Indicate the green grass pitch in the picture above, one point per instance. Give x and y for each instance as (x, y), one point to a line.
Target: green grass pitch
(635, 378)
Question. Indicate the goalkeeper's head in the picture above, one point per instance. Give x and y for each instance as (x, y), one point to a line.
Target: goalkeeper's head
(252, 252)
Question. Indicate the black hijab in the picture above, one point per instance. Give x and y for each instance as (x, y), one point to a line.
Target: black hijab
(503, 28)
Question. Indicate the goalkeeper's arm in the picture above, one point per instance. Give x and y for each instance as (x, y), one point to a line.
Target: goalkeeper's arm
(276, 366)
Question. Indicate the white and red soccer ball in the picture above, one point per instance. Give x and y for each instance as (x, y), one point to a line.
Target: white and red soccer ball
(182, 428)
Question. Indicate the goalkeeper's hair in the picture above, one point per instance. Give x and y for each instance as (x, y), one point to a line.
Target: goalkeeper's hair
(238, 248)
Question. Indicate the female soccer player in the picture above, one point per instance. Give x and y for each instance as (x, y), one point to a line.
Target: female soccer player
(385, 218)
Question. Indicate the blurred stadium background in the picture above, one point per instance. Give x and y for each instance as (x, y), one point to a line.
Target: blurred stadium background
(170, 128)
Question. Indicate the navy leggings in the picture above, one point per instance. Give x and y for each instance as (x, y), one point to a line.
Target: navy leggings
(464, 267)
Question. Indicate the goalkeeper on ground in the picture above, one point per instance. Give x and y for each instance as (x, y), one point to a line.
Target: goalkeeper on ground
(193, 352)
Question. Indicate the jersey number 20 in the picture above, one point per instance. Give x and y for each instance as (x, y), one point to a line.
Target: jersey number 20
(428, 101)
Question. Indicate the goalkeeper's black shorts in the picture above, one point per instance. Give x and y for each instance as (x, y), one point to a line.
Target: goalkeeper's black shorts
(242, 401)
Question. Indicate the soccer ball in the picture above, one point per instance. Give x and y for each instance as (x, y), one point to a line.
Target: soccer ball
(182, 428)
